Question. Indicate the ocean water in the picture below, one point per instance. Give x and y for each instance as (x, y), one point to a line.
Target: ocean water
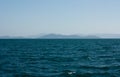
(60, 58)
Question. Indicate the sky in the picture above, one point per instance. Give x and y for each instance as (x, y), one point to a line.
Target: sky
(32, 17)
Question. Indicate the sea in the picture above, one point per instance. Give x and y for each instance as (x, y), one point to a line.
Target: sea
(59, 57)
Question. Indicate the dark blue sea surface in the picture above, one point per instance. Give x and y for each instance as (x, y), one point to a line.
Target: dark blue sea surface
(60, 58)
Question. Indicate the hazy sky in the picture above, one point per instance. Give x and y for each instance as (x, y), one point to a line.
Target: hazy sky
(31, 17)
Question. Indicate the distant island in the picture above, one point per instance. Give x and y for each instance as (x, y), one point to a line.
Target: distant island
(62, 36)
(51, 36)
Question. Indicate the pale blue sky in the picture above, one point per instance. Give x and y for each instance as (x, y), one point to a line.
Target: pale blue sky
(31, 17)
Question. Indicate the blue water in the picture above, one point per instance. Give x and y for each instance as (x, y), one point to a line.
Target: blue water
(60, 58)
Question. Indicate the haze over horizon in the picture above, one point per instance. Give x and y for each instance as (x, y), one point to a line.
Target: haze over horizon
(32, 17)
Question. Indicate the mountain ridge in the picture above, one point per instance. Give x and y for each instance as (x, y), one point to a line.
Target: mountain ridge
(52, 36)
(63, 36)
